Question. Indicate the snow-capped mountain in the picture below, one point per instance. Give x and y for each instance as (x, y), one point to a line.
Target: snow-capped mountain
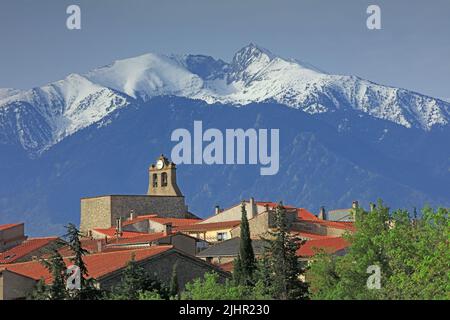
(40, 117)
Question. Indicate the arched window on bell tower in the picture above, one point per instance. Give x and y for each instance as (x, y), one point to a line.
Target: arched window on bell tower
(164, 179)
(155, 180)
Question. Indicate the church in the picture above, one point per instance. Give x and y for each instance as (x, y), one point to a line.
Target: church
(163, 198)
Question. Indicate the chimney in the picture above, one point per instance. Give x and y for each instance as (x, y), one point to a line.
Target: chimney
(253, 209)
(99, 246)
(372, 206)
(266, 207)
(132, 215)
(322, 213)
(119, 227)
(167, 228)
(355, 204)
(217, 210)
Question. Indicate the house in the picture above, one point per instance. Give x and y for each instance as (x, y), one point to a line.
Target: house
(224, 253)
(154, 223)
(228, 250)
(110, 240)
(234, 213)
(11, 235)
(17, 280)
(29, 249)
(319, 234)
(211, 232)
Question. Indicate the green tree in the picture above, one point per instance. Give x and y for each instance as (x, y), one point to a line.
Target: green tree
(280, 257)
(174, 287)
(88, 291)
(210, 288)
(136, 281)
(245, 264)
(149, 295)
(57, 289)
(412, 255)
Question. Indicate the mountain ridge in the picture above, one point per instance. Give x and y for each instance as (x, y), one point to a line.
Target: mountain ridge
(61, 108)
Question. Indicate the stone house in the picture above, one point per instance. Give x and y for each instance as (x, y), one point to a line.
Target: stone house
(11, 235)
(17, 280)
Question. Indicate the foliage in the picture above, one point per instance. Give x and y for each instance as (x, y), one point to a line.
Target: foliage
(174, 289)
(57, 289)
(149, 295)
(281, 267)
(413, 256)
(136, 281)
(57, 267)
(245, 264)
(210, 288)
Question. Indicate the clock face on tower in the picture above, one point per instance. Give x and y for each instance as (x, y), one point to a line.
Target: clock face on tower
(159, 164)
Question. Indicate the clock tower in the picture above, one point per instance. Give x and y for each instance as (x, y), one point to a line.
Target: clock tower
(163, 179)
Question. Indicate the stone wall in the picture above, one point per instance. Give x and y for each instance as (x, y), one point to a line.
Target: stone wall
(95, 213)
(188, 269)
(263, 222)
(102, 212)
(11, 237)
(14, 286)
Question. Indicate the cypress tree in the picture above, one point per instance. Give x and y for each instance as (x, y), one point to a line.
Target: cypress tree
(57, 290)
(246, 263)
(87, 290)
(174, 288)
(285, 268)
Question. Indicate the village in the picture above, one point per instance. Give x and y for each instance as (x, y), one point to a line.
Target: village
(160, 233)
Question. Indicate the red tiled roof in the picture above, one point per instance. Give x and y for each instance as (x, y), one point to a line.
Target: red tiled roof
(25, 248)
(146, 237)
(176, 222)
(329, 245)
(98, 265)
(308, 235)
(271, 204)
(138, 219)
(304, 214)
(334, 224)
(9, 226)
(210, 226)
(111, 233)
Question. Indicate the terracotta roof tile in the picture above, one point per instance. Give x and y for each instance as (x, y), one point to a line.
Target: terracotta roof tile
(334, 224)
(271, 205)
(25, 248)
(329, 245)
(146, 237)
(311, 236)
(210, 226)
(304, 214)
(9, 226)
(98, 265)
(111, 233)
(176, 222)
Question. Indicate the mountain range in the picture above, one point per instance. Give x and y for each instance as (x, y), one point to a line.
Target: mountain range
(342, 137)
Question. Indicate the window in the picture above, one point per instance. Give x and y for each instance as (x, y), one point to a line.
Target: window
(221, 236)
(164, 179)
(155, 180)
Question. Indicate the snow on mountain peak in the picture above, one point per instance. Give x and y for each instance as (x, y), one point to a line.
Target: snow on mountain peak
(254, 75)
(146, 76)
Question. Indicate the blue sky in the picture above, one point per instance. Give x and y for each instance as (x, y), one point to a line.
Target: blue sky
(411, 51)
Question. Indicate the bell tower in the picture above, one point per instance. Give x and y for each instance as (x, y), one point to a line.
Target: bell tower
(163, 178)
